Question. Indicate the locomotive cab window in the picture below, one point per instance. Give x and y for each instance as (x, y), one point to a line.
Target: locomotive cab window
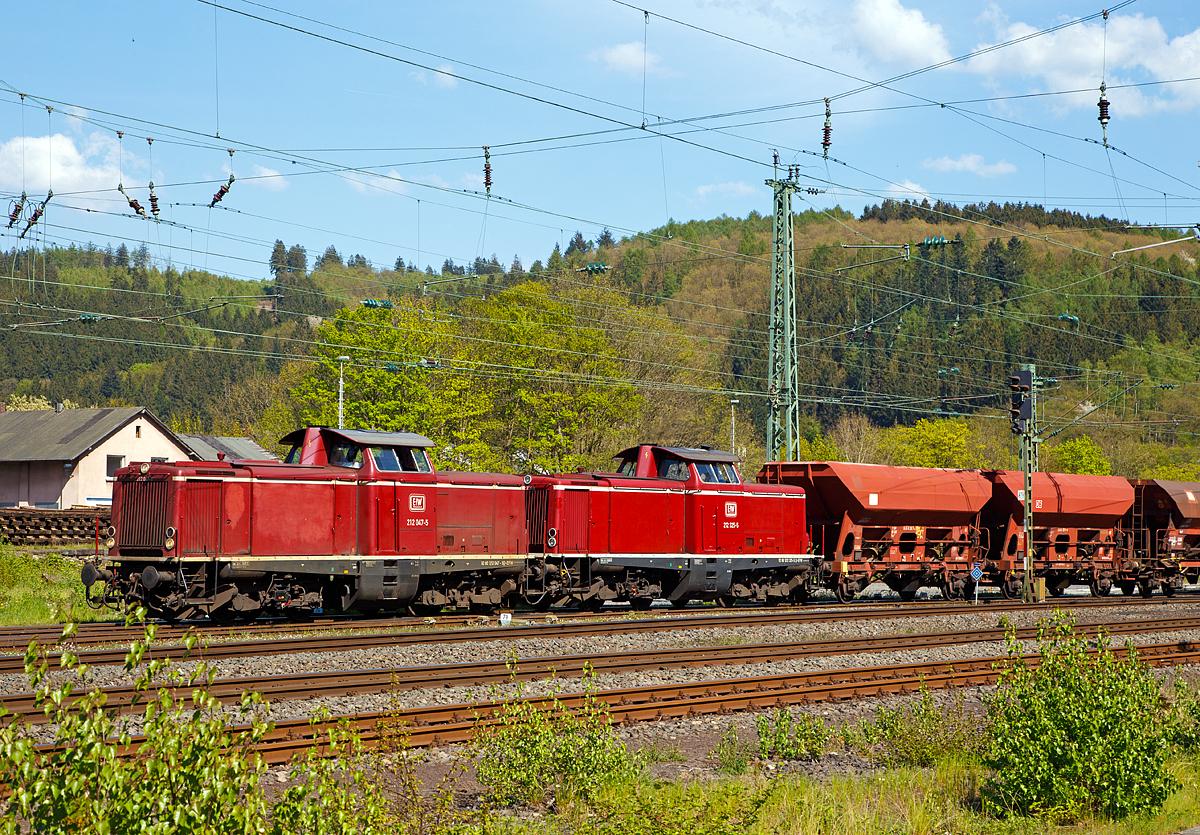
(717, 473)
(400, 460)
(628, 467)
(293, 457)
(673, 469)
(346, 454)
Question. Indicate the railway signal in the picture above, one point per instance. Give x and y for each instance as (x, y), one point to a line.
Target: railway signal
(1021, 409)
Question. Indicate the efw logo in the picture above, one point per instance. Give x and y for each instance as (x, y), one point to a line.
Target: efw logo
(730, 510)
(416, 502)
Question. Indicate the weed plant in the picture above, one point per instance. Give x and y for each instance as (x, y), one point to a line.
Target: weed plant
(784, 737)
(924, 733)
(540, 752)
(732, 754)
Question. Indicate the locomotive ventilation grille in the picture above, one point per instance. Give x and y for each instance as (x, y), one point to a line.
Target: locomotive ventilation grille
(143, 514)
(537, 509)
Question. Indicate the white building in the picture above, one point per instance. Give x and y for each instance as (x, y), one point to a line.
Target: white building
(60, 459)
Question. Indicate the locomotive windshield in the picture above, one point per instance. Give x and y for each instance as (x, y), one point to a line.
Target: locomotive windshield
(400, 460)
(717, 473)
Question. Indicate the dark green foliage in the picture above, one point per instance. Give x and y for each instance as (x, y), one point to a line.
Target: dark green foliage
(1082, 732)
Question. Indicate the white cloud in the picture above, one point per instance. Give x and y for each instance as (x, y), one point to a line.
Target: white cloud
(737, 189)
(442, 77)
(894, 34)
(629, 58)
(973, 163)
(79, 164)
(1070, 59)
(908, 190)
(269, 178)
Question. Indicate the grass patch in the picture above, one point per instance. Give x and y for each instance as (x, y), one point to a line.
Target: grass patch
(42, 589)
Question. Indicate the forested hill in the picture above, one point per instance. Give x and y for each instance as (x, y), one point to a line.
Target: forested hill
(653, 343)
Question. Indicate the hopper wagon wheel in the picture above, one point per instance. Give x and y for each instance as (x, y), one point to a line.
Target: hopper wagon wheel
(1010, 588)
(843, 592)
(1168, 588)
(681, 603)
(1100, 587)
(641, 603)
(1126, 587)
(1146, 588)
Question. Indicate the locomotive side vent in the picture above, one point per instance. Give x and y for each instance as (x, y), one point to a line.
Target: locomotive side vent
(537, 510)
(143, 514)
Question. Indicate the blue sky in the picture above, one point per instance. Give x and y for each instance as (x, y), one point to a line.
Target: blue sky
(336, 145)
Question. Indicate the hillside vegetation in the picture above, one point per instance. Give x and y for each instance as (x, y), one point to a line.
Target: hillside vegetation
(560, 365)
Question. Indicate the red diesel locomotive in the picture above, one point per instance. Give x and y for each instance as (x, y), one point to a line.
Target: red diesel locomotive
(360, 520)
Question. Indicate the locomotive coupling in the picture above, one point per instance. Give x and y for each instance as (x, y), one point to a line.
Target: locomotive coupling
(91, 572)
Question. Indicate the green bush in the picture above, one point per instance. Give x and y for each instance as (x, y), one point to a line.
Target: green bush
(543, 752)
(1078, 733)
(924, 733)
(194, 775)
(782, 737)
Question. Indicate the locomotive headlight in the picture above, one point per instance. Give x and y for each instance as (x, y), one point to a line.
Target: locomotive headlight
(111, 530)
(170, 533)
(145, 468)
(110, 543)
(169, 544)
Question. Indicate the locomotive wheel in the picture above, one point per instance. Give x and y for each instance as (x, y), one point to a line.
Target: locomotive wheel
(641, 604)
(681, 603)
(591, 604)
(224, 615)
(421, 610)
(1126, 587)
(843, 594)
(726, 602)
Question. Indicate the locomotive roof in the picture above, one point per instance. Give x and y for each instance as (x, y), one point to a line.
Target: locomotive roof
(366, 437)
(687, 453)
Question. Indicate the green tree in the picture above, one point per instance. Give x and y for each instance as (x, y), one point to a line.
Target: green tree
(110, 384)
(278, 260)
(297, 262)
(933, 443)
(1079, 455)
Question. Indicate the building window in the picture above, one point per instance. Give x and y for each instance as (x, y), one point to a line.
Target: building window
(137, 431)
(115, 462)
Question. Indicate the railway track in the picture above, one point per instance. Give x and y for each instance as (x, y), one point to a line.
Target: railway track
(445, 724)
(356, 682)
(581, 625)
(17, 638)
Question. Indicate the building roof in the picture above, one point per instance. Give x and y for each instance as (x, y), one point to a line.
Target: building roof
(67, 435)
(206, 448)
